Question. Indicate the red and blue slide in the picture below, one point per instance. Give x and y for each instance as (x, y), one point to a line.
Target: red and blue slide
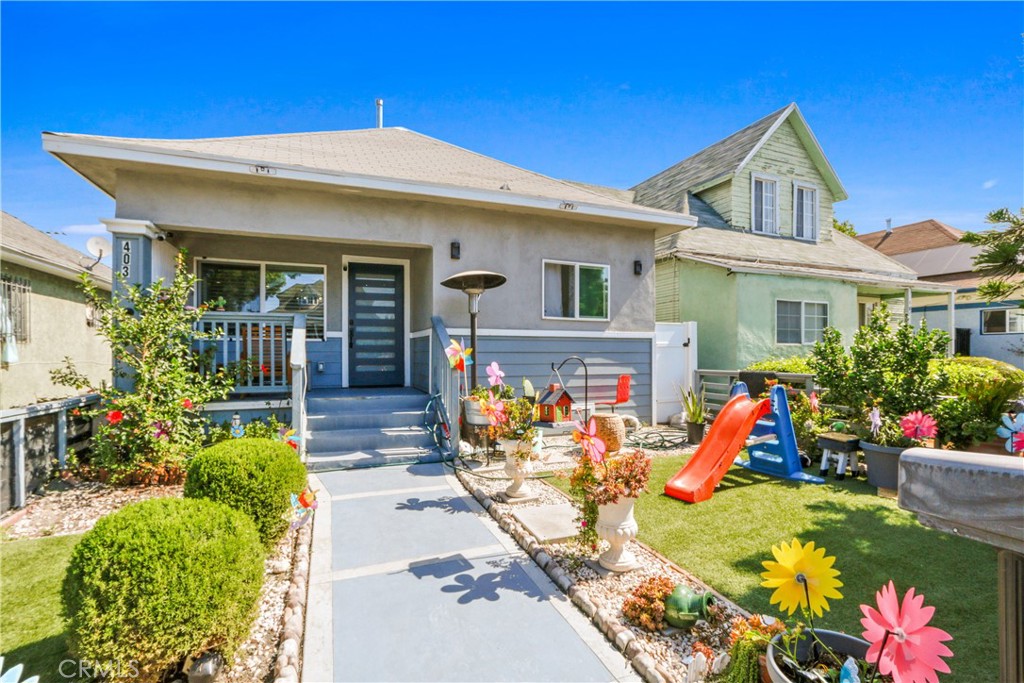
(763, 427)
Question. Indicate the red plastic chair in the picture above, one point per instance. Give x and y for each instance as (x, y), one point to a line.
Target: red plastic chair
(621, 394)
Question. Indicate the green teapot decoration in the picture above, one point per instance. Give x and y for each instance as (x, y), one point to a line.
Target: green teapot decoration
(684, 607)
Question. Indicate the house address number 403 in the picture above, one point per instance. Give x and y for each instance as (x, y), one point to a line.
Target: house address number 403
(126, 259)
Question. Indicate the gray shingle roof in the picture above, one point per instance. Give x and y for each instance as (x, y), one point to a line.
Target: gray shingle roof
(664, 190)
(18, 237)
(387, 153)
(842, 253)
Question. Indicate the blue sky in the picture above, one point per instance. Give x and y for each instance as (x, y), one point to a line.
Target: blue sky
(917, 105)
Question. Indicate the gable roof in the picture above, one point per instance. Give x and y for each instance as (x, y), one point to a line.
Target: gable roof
(927, 234)
(393, 160)
(22, 244)
(724, 159)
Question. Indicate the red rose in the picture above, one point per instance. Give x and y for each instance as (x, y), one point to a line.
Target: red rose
(115, 416)
(187, 404)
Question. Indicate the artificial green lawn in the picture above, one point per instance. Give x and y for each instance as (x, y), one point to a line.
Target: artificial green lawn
(31, 627)
(724, 540)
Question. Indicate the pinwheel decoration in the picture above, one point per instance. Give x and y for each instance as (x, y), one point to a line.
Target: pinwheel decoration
(902, 643)
(586, 436)
(303, 506)
(918, 425)
(875, 417)
(802, 576)
(1012, 430)
(493, 409)
(495, 374)
(458, 357)
(815, 402)
(289, 436)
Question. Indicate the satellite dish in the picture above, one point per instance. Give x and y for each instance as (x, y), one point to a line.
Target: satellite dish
(99, 246)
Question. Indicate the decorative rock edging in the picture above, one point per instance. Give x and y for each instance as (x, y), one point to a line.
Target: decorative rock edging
(288, 663)
(606, 622)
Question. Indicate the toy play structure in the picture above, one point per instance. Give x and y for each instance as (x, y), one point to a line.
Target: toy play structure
(763, 427)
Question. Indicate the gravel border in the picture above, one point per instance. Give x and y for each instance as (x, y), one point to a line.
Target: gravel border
(288, 664)
(657, 657)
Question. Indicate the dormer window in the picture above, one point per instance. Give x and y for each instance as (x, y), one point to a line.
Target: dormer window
(805, 211)
(764, 204)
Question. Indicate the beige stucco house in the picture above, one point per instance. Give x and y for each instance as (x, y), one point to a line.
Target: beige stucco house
(357, 229)
(44, 316)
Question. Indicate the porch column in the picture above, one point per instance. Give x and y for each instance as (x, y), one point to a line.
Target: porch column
(907, 303)
(951, 322)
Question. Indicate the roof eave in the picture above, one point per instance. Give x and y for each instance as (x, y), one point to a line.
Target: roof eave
(27, 260)
(663, 222)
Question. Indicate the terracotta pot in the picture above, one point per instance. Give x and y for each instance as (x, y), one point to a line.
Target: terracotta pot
(610, 429)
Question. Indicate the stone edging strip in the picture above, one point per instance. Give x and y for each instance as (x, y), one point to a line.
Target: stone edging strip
(288, 663)
(610, 625)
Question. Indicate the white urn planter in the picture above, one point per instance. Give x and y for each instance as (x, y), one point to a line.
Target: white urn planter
(516, 469)
(616, 524)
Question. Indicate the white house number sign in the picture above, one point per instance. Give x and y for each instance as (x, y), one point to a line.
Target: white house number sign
(126, 259)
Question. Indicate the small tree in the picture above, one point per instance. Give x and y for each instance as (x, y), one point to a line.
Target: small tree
(151, 331)
(1001, 258)
(845, 227)
(886, 366)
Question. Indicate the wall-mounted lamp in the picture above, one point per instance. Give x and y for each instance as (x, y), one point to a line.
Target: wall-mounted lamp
(456, 250)
(638, 267)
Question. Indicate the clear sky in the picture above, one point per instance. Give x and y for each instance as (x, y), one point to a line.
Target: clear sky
(917, 105)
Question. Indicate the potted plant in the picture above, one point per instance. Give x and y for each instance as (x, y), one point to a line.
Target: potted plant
(608, 489)
(882, 379)
(218, 304)
(695, 407)
(888, 436)
(897, 640)
(513, 428)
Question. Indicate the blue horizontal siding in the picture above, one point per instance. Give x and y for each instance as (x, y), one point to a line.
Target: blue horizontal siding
(420, 352)
(327, 352)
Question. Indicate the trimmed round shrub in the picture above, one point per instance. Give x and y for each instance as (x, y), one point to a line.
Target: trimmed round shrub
(161, 580)
(256, 476)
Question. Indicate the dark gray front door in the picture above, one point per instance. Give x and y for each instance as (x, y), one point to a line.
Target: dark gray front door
(376, 331)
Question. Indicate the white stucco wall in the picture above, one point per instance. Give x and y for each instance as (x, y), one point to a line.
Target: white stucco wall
(511, 243)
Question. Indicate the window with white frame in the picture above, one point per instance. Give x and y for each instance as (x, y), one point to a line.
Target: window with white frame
(800, 322)
(1002, 321)
(15, 311)
(805, 212)
(764, 203)
(266, 288)
(575, 290)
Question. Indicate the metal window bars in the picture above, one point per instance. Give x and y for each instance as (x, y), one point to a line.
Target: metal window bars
(15, 308)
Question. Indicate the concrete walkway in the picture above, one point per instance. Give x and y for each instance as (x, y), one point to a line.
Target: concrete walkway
(412, 581)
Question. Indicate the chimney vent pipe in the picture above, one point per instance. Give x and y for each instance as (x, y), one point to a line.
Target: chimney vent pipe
(888, 225)
(380, 113)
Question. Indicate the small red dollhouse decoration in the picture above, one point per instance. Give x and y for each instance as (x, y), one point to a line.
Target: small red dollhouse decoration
(555, 405)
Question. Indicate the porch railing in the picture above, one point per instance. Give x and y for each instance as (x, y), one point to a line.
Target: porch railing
(444, 381)
(297, 364)
(258, 340)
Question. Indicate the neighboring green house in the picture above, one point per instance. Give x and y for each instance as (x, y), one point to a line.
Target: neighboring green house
(764, 273)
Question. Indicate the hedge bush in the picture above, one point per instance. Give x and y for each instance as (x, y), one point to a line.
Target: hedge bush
(161, 580)
(795, 364)
(256, 476)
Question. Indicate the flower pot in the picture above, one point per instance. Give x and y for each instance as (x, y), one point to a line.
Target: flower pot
(474, 416)
(840, 643)
(694, 432)
(610, 429)
(883, 464)
(516, 469)
(616, 524)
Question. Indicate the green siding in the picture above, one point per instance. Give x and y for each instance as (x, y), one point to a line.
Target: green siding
(708, 297)
(666, 286)
(785, 157)
(719, 198)
(756, 312)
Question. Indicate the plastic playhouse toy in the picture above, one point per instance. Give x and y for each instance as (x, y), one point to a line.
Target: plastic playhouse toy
(763, 427)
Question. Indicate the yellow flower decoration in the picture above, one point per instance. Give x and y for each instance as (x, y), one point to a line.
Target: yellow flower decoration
(793, 563)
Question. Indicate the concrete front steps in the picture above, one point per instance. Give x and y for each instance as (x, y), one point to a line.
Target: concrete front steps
(350, 428)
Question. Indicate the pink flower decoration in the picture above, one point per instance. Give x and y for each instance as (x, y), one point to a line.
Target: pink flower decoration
(815, 403)
(917, 425)
(1018, 442)
(493, 410)
(494, 374)
(586, 436)
(913, 650)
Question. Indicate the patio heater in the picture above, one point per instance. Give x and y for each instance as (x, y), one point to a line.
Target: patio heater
(474, 283)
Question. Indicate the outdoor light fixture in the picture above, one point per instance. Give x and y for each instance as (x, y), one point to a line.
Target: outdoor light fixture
(456, 250)
(638, 267)
(474, 283)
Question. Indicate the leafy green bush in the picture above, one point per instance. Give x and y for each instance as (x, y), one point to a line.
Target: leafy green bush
(258, 428)
(886, 366)
(161, 580)
(962, 423)
(256, 476)
(795, 364)
(982, 389)
(965, 373)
